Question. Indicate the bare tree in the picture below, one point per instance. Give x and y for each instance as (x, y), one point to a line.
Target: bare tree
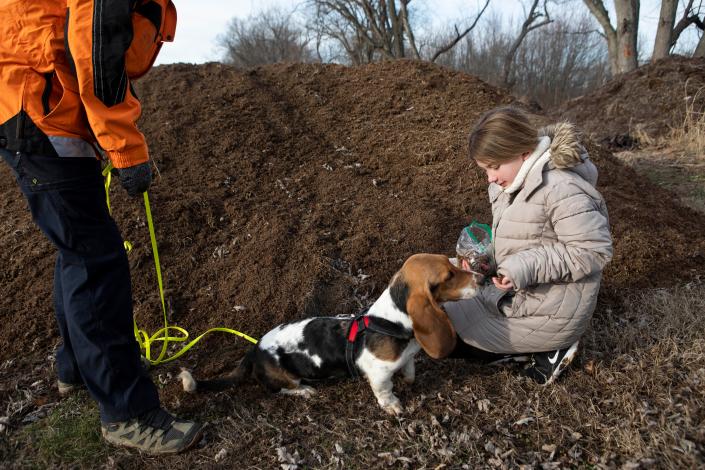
(700, 49)
(481, 52)
(622, 39)
(691, 15)
(667, 18)
(367, 29)
(562, 60)
(345, 43)
(669, 31)
(267, 38)
(530, 23)
(565, 59)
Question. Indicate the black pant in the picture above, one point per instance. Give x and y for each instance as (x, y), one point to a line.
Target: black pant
(464, 351)
(92, 289)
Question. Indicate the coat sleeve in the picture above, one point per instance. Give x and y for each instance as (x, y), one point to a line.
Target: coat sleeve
(98, 34)
(583, 246)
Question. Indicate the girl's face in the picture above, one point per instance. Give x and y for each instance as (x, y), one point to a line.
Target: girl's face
(503, 174)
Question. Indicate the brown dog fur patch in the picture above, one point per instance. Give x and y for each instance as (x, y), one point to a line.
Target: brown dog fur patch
(385, 348)
(276, 378)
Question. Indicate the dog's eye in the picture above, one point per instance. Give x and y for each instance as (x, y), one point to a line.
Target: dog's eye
(450, 276)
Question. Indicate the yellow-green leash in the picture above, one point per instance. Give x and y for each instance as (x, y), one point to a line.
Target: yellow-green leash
(143, 339)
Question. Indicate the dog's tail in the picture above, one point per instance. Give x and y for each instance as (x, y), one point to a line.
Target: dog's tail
(241, 373)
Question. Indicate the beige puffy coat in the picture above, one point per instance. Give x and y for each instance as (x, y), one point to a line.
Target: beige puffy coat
(552, 239)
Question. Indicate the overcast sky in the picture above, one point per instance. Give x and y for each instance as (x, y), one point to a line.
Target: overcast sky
(201, 21)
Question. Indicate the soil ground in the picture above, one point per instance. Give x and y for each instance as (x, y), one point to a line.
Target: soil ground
(677, 171)
(293, 190)
(641, 106)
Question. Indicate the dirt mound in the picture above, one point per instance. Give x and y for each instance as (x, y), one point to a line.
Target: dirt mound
(296, 189)
(648, 101)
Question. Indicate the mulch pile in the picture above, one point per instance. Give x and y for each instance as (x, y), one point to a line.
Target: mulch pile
(293, 190)
(648, 101)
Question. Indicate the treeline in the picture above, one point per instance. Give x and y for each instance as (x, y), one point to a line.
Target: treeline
(554, 51)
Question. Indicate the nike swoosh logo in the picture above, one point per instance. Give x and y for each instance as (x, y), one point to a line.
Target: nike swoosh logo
(553, 359)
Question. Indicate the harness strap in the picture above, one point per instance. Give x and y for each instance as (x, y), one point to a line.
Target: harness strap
(356, 326)
(362, 322)
(388, 328)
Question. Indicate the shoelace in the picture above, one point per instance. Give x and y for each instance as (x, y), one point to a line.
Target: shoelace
(156, 418)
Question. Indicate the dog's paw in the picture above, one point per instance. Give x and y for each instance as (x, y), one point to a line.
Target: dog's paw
(302, 391)
(306, 391)
(393, 408)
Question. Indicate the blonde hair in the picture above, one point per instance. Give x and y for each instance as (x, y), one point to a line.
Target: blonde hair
(502, 134)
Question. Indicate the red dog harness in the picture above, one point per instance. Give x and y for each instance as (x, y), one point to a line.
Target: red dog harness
(364, 322)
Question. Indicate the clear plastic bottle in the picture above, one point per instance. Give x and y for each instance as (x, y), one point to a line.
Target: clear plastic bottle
(475, 247)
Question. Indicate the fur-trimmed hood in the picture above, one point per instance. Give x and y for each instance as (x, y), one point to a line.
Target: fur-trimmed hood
(567, 153)
(566, 150)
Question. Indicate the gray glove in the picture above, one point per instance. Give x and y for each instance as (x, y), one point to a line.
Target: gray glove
(135, 179)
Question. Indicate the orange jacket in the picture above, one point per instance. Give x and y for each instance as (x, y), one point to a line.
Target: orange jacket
(62, 69)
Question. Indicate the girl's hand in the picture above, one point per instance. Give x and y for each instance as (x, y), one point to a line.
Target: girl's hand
(503, 283)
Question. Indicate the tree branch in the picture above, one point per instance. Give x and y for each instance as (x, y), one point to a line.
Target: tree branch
(407, 28)
(597, 8)
(686, 20)
(459, 36)
(525, 29)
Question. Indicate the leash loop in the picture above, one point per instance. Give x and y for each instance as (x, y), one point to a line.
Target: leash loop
(163, 335)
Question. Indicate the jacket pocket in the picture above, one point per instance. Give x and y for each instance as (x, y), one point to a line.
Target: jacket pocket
(52, 94)
(60, 103)
(518, 301)
(496, 300)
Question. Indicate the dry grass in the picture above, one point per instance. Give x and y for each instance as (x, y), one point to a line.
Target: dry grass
(634, 399)
(687, 138)
(677, 160)
(690, 136)
(653, 364)
(650, 317)
(642, 137)
(672, 169)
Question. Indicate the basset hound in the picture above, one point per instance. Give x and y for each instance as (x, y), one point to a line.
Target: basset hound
(376, 344)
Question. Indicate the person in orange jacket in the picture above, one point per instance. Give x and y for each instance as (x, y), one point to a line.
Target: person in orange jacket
(65, 92)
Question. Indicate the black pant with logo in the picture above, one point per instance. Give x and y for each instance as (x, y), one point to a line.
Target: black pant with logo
(92, 288)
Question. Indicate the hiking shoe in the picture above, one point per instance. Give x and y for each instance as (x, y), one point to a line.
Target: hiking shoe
(154, 432)
(545, 367)
(66, 388)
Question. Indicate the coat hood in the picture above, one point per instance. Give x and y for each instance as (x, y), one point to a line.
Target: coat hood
(565, 147)
(567, 153)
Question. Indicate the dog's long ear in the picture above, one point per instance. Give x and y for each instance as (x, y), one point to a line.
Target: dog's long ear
(432, 327)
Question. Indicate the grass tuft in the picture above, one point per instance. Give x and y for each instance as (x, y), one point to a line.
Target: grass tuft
(690, 136)
(69, 435)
